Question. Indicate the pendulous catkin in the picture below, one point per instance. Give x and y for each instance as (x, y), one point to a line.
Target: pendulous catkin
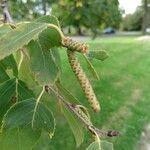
(75, 46)
(83, 80)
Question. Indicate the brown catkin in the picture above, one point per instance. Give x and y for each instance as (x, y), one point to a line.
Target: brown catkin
(75, 46)
(83, 80)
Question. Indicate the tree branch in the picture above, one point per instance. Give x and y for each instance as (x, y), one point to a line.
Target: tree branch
(6, 14)
(82, 118)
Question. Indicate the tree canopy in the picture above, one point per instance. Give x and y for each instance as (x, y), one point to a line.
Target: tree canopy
(133, 22)
(89, 14)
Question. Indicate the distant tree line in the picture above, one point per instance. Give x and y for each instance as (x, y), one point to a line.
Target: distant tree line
(133, 22)
(138, 21)
(92, 15)
(88, 14)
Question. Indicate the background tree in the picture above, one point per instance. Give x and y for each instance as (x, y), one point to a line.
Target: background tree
(146, 17)
(29, 9)
(133, 22)
(90, 14)
(140, 20)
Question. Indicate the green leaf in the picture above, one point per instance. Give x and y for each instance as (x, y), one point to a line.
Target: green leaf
(44, 51)
(46, 70)
(48, 19)
(5, 28)
(94, 146)
(99, 55)
(10, 63)
(56, 56)
(29, 112)
(7, 92)
(43, 142)
(19, 37)
(3, 75)
(25, 75)
(49, 38)
(23, 92)
(17, 139)
(91, 68)
(74, 124)
(10, 92)
(106, 145)
(6, 65)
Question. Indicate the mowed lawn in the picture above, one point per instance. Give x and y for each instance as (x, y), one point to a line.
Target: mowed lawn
(123, 92)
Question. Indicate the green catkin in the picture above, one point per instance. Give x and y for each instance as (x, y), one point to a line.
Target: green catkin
(83, 80)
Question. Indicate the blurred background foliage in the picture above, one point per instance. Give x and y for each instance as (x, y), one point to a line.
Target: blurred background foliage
(78, 14)
(133, 22)
(83, 16)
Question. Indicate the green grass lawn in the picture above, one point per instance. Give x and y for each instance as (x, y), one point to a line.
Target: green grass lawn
(123, 92)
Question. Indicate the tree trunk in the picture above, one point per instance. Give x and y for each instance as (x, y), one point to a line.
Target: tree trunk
(44, 7)
(69, 30)
(6, 14)
(148, 15)
(79, 31)
(145, 17)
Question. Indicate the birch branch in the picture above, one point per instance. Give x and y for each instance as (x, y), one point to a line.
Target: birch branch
(6, 14)
(74, 109)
